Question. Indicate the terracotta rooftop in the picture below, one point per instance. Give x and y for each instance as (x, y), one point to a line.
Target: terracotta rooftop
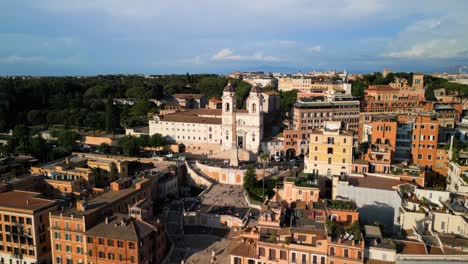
(412, 247)
(374, 182)
(243, 247)
(383, 88)
(203, 116)
(122, 227)
(23, 200)
(435, 251)
(270, 93)
(185, 95)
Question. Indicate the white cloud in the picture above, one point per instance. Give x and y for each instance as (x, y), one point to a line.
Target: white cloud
(433, 38)
(229, 55)
(15, 59)
(315, 49)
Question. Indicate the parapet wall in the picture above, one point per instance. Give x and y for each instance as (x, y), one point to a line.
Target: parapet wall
(194, 179)
(223, 175)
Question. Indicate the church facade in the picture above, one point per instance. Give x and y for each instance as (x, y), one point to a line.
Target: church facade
(210, 131)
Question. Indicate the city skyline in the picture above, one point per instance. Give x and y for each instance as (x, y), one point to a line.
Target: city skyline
(150, 37)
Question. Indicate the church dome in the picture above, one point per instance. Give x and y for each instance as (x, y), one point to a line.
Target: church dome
(229, 88)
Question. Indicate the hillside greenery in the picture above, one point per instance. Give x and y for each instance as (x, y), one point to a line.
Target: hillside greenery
(86, 102)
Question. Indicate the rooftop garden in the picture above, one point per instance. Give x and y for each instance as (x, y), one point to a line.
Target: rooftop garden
(304, 180)
(338, 230)
(341, 205)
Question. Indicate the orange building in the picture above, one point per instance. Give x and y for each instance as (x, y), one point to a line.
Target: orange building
(24, 220)
(386, 99)
(442, 161)
(347, 247)
(382, 148)
(68, 227)
(303, 188)
(424, 148)
(124, 239)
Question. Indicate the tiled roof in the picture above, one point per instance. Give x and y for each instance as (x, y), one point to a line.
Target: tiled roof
(23, 200)
(270, 93)
(203, 116)
(184, 95)
(243, 248)
(412, 247)
(121, 227)
(374, 182)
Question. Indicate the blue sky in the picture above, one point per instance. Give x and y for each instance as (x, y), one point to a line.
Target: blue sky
(75, 37)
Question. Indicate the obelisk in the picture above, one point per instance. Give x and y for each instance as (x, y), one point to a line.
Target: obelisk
(234, 161)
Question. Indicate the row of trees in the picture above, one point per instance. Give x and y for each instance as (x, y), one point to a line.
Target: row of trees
(87, 102)
(26, 142)
(132, 145)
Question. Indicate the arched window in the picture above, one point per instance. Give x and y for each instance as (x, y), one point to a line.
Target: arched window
(254, 108)
(227, 106)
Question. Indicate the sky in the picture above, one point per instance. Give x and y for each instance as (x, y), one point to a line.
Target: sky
(89, 37)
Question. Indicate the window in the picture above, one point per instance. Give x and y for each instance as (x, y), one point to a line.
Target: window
(110, 242)
(56, 235)
(237, 260)
(58, 247)
(261, 251)
(331, 140)
(329, 160)
(346, 253)
(442, 225)
(68, 236)
(332, 251)
(429, 157)
(79, 250)
(58, 260)
(283, 255)
(78, 238)
(101, 241)
(359, 255)
(110, 256)
(330, 151)
(420, 156)
(293, 257)
(322, 260)
(28, 221)
(314, 259)
(227, 106)
(316, 139)
(90, 240)
(119, 244)
(304, 258)
(344, 160)
(131, 245)
(344, 150)
(102, 254)
(272, 254)
(68, 248)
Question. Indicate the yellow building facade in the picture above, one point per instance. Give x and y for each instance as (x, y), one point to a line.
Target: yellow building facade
(330, 151)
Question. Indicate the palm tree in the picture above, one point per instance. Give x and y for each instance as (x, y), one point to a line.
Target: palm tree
(263, 158)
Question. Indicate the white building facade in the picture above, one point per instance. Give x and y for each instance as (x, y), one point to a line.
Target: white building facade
(208, 131)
